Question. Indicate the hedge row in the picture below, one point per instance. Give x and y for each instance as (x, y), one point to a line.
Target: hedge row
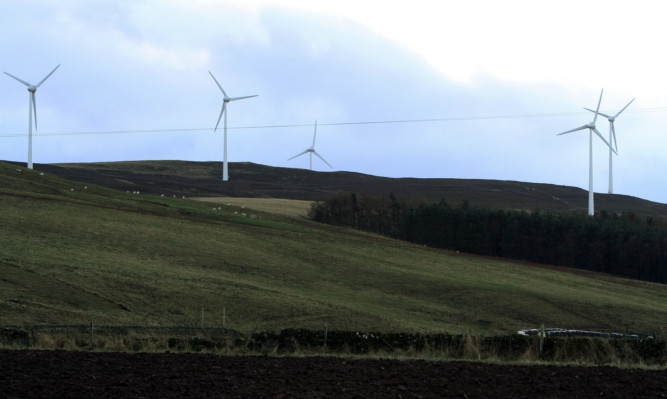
(508, 347)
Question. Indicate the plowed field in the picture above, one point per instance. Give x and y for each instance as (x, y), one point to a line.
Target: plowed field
(63, 374)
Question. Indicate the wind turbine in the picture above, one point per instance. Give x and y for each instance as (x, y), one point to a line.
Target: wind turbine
(225, 100)
(32, 107)
(591, 129)
(312, 151)
(612, 135)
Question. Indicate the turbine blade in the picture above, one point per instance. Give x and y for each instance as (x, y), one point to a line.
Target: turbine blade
(241, 98)
(47, 76)
(619, 112)
(574, 130)
(20, 80)
(599, 113)
(314, 135)
(221, 89)
(613, 135)
(299, 154)
(323, 160)
(222, 111)
(603, 139)
(598, 108)
(34, 106)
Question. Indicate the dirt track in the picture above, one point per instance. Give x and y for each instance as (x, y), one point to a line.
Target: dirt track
(60, 374)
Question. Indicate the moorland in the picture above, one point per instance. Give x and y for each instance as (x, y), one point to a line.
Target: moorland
(203, 179)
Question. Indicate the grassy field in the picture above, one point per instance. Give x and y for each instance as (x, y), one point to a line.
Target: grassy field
(70, 251)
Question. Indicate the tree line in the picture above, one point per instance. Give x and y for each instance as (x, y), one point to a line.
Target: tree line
(620, 244)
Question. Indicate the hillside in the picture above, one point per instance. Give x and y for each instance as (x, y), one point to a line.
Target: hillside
(72, 250)
(203, 179)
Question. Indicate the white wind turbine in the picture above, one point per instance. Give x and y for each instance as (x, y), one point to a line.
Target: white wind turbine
(312, 151)
(225, 100)
(612, 136)
(591, 129)
(32, 107)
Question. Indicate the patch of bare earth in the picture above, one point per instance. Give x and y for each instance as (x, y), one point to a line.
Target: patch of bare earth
(60, 374)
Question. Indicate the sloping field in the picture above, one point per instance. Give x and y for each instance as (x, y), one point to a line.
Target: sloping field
(69, 251)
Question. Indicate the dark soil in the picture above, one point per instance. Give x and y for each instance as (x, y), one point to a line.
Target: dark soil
(62, 374)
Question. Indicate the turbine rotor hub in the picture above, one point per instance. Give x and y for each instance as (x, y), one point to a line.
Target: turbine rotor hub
(32, 88)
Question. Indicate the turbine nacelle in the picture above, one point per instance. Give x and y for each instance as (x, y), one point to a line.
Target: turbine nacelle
(591, 125)
(591, 129)
(312, 151)
(225, 99)
(611, 119)
(32, 108)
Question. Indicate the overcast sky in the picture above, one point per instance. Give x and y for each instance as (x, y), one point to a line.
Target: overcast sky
(497, 80)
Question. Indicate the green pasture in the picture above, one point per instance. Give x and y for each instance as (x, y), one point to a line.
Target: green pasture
(70, 251)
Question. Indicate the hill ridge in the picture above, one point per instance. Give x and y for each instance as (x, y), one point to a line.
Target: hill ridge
(203, 179)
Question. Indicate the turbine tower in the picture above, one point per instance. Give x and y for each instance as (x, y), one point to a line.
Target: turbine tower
(225, 100)
(32, 107)
(312, 151)
(612, 135)
(591, 129)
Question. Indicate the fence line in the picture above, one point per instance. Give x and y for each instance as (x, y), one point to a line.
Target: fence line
(122, 328)
(89, 328)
